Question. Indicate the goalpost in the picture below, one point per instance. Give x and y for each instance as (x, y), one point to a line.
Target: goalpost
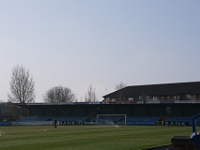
(111, 119)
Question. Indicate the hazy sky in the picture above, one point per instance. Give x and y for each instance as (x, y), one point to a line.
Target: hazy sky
(75, 43)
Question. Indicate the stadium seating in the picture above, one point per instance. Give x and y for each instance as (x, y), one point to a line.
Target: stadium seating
(69, 119)
(130, 120)
(30, 119)
(75, 119)
(4, 123)
(187, 119)
(142, 120)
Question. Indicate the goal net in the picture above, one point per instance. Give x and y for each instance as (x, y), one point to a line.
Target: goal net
(111, 119)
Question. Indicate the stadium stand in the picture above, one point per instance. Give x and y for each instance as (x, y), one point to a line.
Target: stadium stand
(163, 104)
(80, 120)
(177, 119)
(72, 119)
(4, 123)
(142, 120)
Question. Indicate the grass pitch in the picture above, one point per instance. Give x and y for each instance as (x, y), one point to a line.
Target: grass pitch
(87, 137)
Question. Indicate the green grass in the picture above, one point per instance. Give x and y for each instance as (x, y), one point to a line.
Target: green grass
(87, 137)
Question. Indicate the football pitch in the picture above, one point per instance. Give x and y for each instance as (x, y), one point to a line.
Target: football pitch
(87, 137)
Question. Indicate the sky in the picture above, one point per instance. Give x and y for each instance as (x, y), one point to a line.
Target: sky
(78, 43)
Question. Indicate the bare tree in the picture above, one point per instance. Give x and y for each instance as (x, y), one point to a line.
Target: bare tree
(59, 94)
(121, 92)
(13, 111)
(119, 86)
(21, 86)
(90, 95)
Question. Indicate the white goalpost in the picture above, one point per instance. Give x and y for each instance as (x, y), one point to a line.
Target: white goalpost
(111, 119)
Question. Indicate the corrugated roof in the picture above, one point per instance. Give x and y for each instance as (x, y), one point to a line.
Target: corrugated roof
(159, 89)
